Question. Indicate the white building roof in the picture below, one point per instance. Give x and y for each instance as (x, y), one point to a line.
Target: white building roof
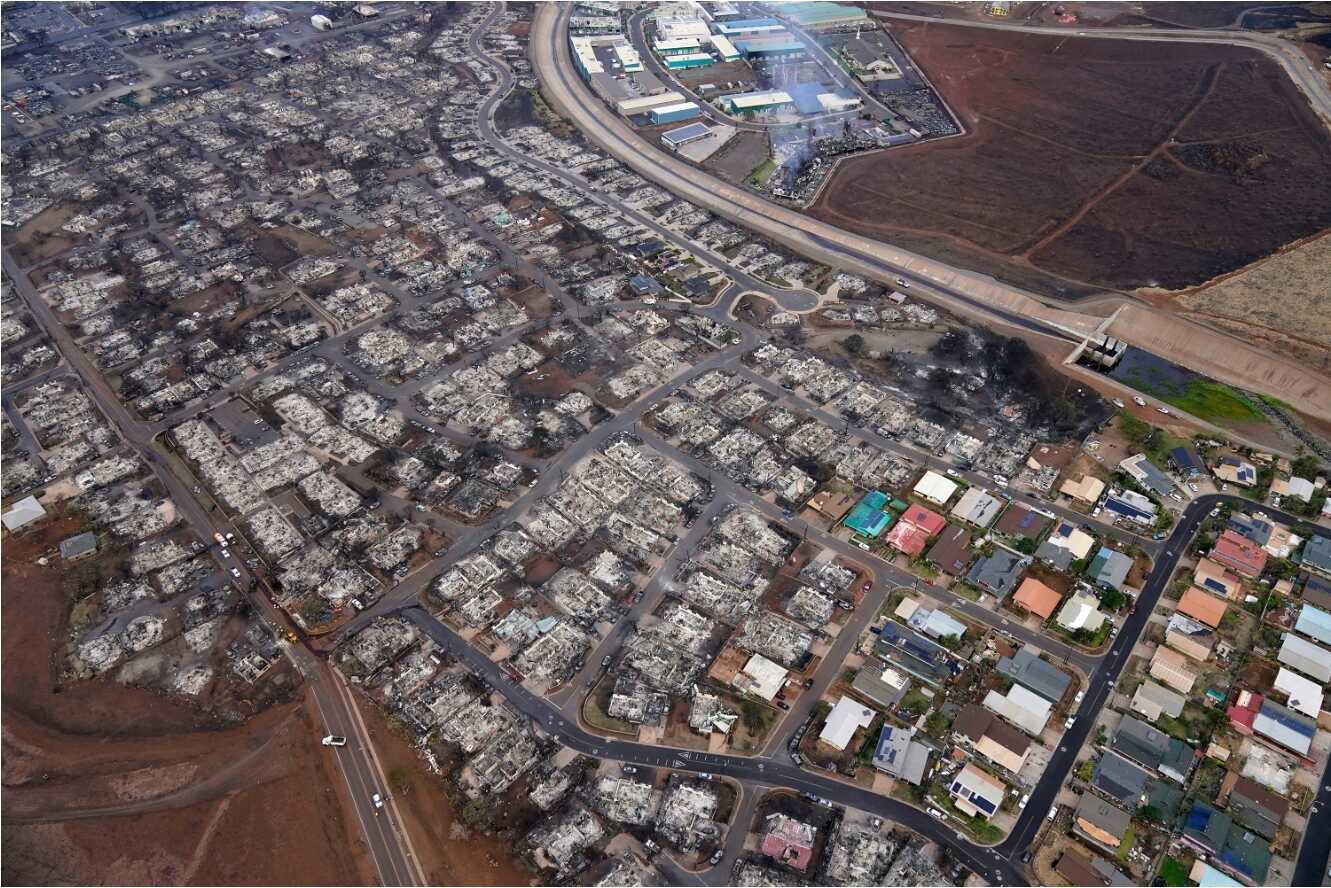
(935, 487)
(768, 677)
(641, 103)
(845, 717)
(25, 511)
(724, 46)
(1310, 659)
(978, 506)
(1023, 708)
(1305, 695)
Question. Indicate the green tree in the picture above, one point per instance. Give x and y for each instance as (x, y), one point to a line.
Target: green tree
(1113, 600)
(854, 344)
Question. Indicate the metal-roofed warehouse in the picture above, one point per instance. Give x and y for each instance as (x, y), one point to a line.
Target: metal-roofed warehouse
(766, 100)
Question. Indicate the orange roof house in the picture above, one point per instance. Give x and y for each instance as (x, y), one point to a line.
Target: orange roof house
(1037, 598)
(1202, 607)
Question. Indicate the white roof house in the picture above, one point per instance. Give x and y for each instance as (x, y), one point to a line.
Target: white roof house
(1023, 708)
(23, 512)
(845, 717)
(1312, 660)
(977, 506)
(935, 488)
(766, 677)
(1305, 695)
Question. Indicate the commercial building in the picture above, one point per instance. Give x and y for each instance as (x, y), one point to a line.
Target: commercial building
(773, 46)
(673, 113)
(742, 27)
(759, 102)
(685, 135)
(643, 104)
(678, 46)
(689, 60)
(722, 46)
(822, 16)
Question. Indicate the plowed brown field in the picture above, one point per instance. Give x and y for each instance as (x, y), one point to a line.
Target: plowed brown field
(1112, 164)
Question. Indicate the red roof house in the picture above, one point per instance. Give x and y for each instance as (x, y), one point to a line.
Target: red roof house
(1239, 553)
(1244, 712)
(930, 522)
(908, 538)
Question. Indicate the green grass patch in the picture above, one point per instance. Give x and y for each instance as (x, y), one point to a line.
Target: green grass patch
(1173, 873)
(1205, 399)
(758, 177)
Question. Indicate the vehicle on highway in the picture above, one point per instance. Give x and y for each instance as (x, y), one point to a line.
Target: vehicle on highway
(334, 740)
(903, 283)
(378, 802)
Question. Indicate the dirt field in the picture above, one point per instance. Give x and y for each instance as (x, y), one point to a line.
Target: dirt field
(108, 784)
(1270, 303)
(1095, 162)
